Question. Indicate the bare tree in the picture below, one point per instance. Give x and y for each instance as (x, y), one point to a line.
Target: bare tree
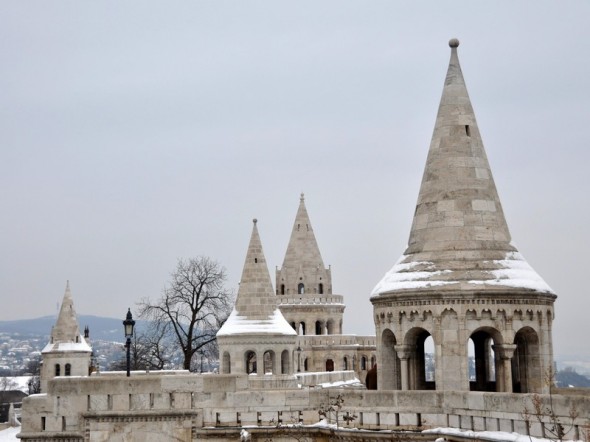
(33, 369)
(7, 384)
(193, 307)
(147, 351)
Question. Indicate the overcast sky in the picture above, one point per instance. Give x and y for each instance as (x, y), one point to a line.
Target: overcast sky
(135, 133)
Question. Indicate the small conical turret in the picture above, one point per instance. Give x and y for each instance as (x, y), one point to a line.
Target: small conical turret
(255, 310)
(66, 328)
(459, 234)
(303, 270)
(68, 352)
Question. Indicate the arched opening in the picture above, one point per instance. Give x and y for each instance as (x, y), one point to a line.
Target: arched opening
(301, 328)
(420, 360)
(285, 363)
(226, 363)
(482, 359)
(373, 361)
(57, 370)
(527, 373)
(68, 370)
(306, 364)
(282, 289)
(329, 365)
(389, 373)
(294, 326)
(318, 327)
(301, 288)
(345, 363)
(363, 362)
(321, 288)
(250, 363)
(269, 362)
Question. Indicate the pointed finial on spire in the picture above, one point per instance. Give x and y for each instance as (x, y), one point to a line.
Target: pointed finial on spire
(302, 198)
(254, 221)
(454, 43)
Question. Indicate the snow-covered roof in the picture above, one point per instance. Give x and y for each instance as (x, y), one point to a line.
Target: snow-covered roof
(81, 346)
(242, 325)
(513, 271)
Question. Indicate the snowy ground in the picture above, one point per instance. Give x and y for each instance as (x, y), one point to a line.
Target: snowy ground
(9, 435)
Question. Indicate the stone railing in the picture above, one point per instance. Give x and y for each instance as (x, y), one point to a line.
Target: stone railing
(309, 300)
(336, 340)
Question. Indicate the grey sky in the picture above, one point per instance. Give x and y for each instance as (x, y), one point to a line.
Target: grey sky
(135, 133)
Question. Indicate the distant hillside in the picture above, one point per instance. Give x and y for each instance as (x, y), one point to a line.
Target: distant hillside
(568, 377)
(107, 329)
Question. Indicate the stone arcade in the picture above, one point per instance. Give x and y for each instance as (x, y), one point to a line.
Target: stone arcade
(460, 282)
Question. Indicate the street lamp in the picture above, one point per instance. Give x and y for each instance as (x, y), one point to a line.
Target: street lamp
(298, 358)
(128, 324)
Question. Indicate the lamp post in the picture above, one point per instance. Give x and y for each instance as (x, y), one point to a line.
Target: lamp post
(201, 353)
(298, 358)
(128, 324)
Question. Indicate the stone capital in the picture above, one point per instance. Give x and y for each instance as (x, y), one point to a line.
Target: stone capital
(404, 351)
(504, 351)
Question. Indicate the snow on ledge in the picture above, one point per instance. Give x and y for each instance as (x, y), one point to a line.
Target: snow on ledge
(500, 436)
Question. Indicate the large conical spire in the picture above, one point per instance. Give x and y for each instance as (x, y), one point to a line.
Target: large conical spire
(459, 234)
(303, 270)
(255, 310)
(66, 328)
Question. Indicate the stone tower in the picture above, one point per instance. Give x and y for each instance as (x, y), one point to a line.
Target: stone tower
(256, 338)
(461, 287)
(67, 353)
(304, 285)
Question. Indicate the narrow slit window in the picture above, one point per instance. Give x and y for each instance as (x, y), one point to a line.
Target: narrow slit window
(467, 130)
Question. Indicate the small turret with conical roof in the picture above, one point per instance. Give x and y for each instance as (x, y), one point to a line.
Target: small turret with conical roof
(256, 329)
(461, 279)
(304, 285)
(68, 353)
(303, 270)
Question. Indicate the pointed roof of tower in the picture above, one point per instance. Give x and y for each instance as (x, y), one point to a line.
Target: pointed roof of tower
(459, 236)
(303, 250)
(65, 335)
(255, 310)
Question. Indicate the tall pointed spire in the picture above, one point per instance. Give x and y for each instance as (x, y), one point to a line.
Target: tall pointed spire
(255, 310)
(303, 270)
(66, 328)
(459, 234)
(303, 250)
(255, 295)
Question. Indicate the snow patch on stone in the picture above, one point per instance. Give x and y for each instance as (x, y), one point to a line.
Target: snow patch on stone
(501, 436)
(516, 272)
(242, 325)
(401, 277)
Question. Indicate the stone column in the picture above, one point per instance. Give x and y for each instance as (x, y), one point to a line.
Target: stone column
(504, 353)
(404, 352)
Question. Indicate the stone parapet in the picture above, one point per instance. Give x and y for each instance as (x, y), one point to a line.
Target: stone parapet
(179, 405)
(284, 301)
